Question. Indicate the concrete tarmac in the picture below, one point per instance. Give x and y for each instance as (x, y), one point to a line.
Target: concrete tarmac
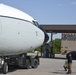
(48, 66)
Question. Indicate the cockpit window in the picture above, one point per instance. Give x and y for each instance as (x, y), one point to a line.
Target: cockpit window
(36, 23)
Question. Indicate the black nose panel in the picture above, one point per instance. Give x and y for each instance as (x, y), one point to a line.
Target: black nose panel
(46, 35)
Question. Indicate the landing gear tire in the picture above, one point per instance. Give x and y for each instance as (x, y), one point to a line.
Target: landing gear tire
(5, 68)
(35, 65)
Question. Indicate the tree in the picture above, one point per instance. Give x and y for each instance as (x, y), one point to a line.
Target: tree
(56, 45)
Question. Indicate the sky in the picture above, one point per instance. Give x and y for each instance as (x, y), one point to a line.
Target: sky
(47, 11)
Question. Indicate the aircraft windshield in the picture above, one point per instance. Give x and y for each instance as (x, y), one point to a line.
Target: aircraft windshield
(36, 23)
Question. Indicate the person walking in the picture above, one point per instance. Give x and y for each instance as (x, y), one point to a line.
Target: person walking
(65, 65)
(69, 58)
